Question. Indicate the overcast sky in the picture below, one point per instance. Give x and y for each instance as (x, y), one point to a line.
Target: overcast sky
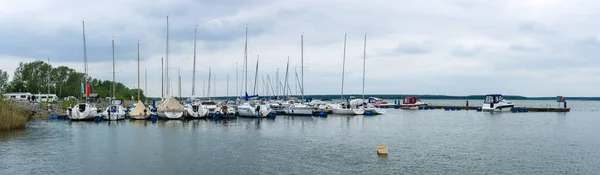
(452, 47)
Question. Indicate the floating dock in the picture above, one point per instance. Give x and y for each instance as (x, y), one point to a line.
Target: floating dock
(478, 108)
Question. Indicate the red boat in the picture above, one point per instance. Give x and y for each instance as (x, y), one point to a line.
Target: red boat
(411, 102)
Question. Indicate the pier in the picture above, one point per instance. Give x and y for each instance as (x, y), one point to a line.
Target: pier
(478, 108)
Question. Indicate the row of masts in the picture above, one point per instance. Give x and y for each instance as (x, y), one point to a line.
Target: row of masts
(282, 89)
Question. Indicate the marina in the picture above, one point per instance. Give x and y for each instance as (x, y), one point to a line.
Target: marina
(416, 141)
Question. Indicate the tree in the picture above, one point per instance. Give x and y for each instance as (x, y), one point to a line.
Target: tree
(3, 81)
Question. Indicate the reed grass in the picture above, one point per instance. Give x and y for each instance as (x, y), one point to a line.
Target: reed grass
(12, 116)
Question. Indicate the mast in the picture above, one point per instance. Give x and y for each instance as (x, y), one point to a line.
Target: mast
(203, 88)
(255, 77)
(343, 66)
(113, 68)
(286, 79)
(302, 64)
(246, 62)
(364, 64)
(209, 76)
(167, 60)
(48, 85)
(85, 68)
(179, 83)
(194, 70)
(237, 85)
(146, 81)
(139, 87)
(162, 76)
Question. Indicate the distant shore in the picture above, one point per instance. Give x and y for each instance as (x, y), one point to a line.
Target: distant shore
(429, 97)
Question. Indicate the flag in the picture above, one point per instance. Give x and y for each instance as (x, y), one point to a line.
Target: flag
(88, 89)
(82, 88)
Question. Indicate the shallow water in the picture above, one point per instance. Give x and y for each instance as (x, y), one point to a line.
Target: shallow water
(419, 142)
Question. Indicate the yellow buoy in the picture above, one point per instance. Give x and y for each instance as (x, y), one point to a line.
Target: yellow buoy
(382, 150)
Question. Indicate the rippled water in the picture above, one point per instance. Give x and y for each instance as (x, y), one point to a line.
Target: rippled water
(420, 142)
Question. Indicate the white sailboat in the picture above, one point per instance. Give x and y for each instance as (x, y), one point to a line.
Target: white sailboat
(194, 109)
(298, 108)
(248, 108)
(86, 110)
(170, 107)
(140, 112)
(369, 108)
(349, 107)
(115, 111)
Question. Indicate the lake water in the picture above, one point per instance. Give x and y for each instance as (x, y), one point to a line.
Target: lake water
(419, 142)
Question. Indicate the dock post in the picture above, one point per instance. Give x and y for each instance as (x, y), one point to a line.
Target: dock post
(467, 103)
(565, 103)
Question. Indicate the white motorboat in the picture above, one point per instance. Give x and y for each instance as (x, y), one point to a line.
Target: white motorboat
(115, 111)
(170, 109)
(83, 111)
(495, 102)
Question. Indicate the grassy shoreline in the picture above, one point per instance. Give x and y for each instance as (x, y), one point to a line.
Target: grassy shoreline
(12, 116)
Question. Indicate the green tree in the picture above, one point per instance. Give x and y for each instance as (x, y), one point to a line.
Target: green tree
(3, 81)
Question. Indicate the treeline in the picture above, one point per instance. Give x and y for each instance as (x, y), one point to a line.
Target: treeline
(36, 77)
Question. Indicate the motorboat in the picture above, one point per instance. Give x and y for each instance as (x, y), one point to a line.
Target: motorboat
(378, 102)
(170, 109)
(495, 102)
(140, 111)
(411, 102)
(115, 111)
(83, 111)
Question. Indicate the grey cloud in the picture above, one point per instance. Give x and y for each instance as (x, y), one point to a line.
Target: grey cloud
(462, 51)
(414, 48)
(524, 48)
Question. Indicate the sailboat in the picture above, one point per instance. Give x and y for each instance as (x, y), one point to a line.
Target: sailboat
(115, 111)
(369, 108)
(348, 107)
(140, 112)
(170, 107)
(86, 110)
(299, 108)
(249, 108)
(194, 108)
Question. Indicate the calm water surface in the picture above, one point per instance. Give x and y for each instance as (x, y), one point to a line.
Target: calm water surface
(420, 142)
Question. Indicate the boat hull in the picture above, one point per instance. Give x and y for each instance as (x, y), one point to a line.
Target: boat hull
(170, 115)
(299, 111)
(501, 108)
(88, 113)
(345, 111)
(376, 111)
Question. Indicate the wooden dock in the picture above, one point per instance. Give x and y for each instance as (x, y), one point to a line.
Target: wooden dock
(478, 108)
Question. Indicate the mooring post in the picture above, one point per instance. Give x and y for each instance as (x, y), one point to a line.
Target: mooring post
(565, 103)
(467, 103)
